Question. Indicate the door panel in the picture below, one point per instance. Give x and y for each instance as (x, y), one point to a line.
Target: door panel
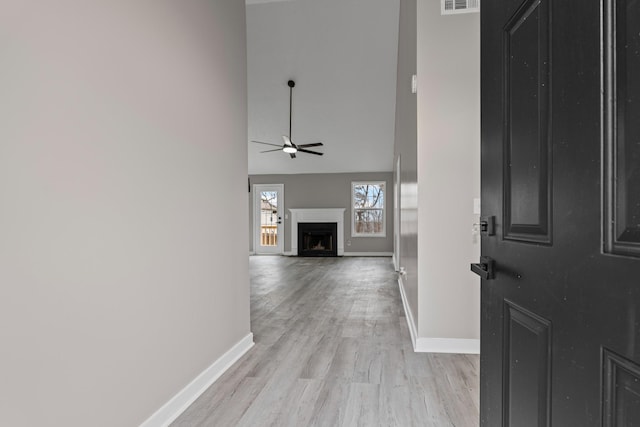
(560, 331)
(622, 126)
(526, 105)
(527, 367)
(621, 391)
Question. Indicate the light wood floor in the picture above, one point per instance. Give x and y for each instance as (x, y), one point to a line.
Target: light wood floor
(333, 349)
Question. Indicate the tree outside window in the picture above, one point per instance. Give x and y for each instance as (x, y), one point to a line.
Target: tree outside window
(368, 218)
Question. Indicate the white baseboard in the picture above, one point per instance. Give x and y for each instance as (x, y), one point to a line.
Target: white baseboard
(382, 254)
(413, 331)
(435, 345)
(447, 345)
(185, 397)
(372, 254)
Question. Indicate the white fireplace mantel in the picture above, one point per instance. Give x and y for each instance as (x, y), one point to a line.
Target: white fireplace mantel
(317, 215)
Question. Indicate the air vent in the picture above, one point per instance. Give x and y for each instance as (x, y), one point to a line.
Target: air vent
(460, 6)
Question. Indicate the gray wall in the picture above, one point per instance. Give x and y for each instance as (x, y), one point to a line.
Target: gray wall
(329, 191)
(122, 135)
(406, 148)
(448, 171)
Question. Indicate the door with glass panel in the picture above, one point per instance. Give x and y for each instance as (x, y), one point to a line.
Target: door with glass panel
(268, 207)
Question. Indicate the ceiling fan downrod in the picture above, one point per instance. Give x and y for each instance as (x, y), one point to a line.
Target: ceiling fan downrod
(291, 84)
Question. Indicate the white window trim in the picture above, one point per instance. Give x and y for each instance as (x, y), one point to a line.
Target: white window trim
(383, 233)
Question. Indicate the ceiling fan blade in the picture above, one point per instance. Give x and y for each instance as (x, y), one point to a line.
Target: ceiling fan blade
(309, 151)
(267, 143)
(315, 144)
(287, 140)
(269, 151)
(293, 155)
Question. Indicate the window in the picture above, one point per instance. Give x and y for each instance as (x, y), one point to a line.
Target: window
(368, 209)
(448, 7)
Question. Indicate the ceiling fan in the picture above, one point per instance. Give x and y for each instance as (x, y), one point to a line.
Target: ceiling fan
(289, 147)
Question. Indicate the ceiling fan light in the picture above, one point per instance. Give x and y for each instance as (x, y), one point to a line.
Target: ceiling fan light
(289, 149)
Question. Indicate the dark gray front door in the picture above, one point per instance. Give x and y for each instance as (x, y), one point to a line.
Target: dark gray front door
(561, 177)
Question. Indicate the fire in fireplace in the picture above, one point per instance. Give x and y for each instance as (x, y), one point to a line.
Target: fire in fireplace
(317, 239)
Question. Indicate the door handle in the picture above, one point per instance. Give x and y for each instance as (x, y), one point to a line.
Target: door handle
(485, 268)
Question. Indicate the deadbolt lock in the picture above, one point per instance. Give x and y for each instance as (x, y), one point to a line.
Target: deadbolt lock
(488, 225)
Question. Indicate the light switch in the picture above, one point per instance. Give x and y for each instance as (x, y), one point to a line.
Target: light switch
(476, 206)
(414, 84)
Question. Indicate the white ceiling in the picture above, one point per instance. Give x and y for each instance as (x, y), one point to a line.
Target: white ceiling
(342, 55)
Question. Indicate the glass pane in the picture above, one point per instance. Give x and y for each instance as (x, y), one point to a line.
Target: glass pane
(370, 221)
(368, 196)
(269, 218)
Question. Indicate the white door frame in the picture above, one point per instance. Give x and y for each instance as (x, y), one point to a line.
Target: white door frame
(257, 247)
(396, 216)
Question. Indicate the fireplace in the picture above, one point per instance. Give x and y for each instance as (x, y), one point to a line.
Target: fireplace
(322, 215)
(317, 239)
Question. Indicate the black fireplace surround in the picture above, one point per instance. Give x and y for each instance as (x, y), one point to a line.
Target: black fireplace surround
(317, 239)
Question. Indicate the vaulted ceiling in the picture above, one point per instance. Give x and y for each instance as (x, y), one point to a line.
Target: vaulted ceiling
(342, 54)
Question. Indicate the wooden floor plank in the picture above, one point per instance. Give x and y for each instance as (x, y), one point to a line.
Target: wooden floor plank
(333, 349)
